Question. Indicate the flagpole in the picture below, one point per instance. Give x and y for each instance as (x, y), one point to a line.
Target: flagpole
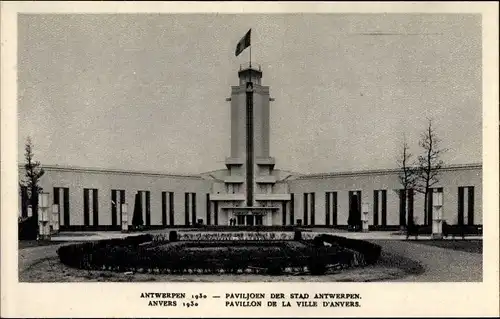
(250, 56)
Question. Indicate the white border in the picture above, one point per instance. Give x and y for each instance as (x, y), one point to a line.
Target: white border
(122, 300)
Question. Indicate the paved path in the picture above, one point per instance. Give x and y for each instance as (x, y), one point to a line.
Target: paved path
(377, 235)
(32, 255)
(441, 265)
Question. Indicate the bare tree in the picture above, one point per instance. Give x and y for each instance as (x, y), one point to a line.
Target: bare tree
(33, 173)
(429, 164)
(407, 177)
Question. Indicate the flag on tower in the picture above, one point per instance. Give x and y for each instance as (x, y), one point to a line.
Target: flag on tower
(244, 43)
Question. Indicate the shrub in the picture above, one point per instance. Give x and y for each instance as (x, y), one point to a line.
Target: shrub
(317, 266)
(228, 236)
(274, 268)
(172, 236)
(297, 235)
(28, 229)
(101, 253)
(369, 251)
(147, 254)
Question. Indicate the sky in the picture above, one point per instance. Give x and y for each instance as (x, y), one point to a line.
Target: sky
(147, 91)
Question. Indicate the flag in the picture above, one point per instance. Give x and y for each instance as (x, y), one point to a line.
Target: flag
(244, 43)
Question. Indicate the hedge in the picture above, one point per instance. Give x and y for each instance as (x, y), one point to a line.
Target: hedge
(228, 236)
(28, 228)
(145, 253)
(448, 230)
(368, 252)
(83, 254)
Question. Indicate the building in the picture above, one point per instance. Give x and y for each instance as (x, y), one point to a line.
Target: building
(250, 191)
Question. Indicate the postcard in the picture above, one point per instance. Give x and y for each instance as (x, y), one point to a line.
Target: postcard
(241, 159)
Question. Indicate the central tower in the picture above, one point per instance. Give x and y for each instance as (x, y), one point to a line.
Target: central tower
(252, 195)
(250, 130)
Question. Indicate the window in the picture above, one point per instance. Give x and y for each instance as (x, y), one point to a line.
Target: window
(354, 218)
(283, 212)
(193, 208)
(406, 204)
(240, 219)
(90, 207)
(306, 208)
(309, 209)
(258, 220)
(465, 205)
(167, 208)
(190, 208)
(216, 213)
(61, 198)
(380, 207)
(145, 207)
(117, 199)
(208, 209)
(331, 208)
(186, 208)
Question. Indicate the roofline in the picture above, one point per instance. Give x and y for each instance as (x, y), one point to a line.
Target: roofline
(199, 176)
(385, 171)
(79, 169)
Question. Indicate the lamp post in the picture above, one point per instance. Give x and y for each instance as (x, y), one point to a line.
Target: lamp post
(43, 216)
(364, 216)
(437, 213)
(55, 218)
(124, 218)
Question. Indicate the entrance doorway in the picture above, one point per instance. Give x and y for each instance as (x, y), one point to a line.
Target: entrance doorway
(250, 220)
(258, 220)
(240, 219)
(354, 220)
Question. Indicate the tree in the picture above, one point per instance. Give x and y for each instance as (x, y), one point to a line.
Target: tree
(33, 174)
(429, 165)
(408, 178)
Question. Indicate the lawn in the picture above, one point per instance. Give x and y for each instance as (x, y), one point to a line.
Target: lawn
(470, 246)
(388, 268)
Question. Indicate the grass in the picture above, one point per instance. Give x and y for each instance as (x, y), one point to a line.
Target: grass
(470, 246)
(52, 270)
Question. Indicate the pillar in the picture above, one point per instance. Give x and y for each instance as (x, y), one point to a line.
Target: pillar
(437, 213)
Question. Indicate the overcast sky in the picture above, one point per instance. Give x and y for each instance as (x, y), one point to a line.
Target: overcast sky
(147, 92)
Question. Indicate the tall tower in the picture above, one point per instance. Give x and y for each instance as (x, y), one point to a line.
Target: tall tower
(250, 197)
(250, 130)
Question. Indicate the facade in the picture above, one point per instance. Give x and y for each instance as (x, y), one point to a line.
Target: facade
(250, 191)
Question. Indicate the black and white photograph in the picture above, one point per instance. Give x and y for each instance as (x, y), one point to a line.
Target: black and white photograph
(282, 147)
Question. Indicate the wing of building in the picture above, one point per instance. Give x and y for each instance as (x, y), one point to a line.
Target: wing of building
(250, 191)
